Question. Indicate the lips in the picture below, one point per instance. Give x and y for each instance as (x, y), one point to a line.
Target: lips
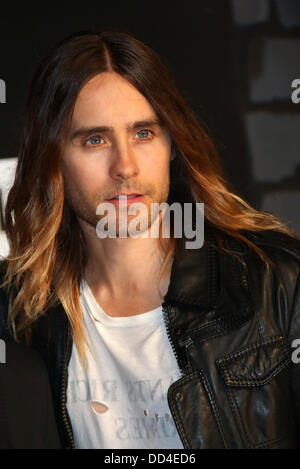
(122, 200)
(125, 196)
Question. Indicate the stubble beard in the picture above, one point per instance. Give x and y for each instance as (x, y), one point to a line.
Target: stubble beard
(85, 211)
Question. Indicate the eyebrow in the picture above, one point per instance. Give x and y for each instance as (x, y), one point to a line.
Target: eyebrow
(84, 131)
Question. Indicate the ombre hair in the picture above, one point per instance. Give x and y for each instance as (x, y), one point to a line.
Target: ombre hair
(47, 249)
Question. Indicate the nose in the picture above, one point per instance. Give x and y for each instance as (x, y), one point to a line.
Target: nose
(123, 163)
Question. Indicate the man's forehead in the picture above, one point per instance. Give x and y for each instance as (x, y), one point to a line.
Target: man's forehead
(115, 100)
(107, 85)
(115, 103)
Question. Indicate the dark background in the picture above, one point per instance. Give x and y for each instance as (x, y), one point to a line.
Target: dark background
(219, 53)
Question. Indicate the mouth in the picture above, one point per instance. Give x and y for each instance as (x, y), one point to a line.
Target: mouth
(129, 198)
(124, 196)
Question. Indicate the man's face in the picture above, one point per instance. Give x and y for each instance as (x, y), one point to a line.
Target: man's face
(129, 156)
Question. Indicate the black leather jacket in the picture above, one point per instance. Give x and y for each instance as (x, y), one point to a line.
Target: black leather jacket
(231, 328)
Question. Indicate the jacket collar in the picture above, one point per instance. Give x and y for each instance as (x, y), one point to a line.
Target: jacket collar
(194, 276)
(208, 289)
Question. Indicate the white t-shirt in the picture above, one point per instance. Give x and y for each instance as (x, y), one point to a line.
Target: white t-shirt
(120, 401)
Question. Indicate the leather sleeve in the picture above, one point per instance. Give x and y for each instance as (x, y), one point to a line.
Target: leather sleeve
(294, 341)
(27, 403)
(285, 251)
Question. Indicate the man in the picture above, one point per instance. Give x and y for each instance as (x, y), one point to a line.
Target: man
(148, 343)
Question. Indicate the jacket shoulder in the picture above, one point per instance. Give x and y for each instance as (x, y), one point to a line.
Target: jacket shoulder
(283, 251)
(275, 241)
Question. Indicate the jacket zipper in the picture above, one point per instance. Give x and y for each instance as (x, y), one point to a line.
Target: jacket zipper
(188, 342)
(167, 310)
(66, 423)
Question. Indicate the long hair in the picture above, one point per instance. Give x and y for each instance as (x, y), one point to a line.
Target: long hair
(47, 249)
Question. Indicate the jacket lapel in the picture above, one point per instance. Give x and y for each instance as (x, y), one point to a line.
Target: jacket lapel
(208, 290)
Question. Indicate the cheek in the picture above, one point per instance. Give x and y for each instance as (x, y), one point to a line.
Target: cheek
(161, 172)
(81, 176)
(158, 167)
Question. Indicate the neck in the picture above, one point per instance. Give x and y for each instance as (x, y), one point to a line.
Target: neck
(120, 267)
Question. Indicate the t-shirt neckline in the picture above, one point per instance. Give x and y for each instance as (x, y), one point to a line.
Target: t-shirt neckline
(151, 317)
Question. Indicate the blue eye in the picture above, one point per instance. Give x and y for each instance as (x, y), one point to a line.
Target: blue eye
(95, 140)
(143, 132)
